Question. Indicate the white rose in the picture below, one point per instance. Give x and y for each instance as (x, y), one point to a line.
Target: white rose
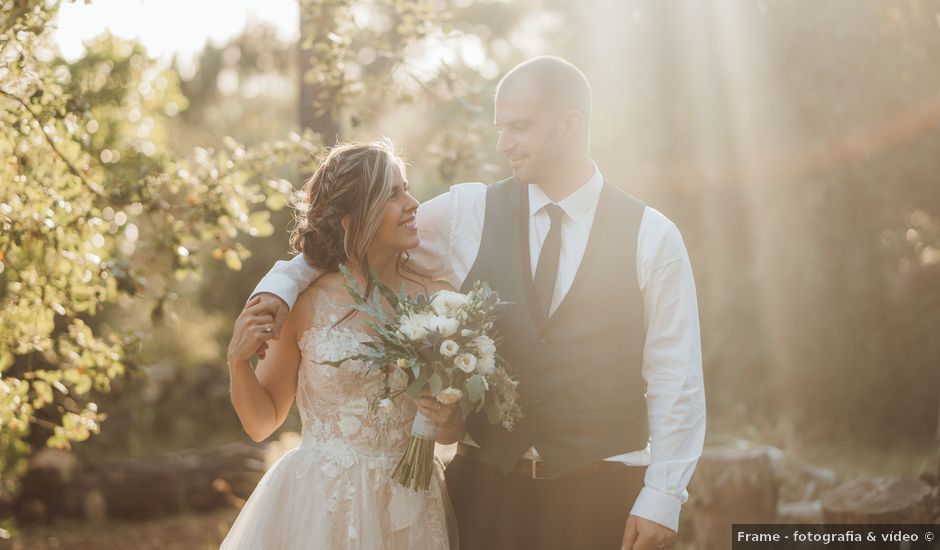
(448, 302)
(486, 364)
(485, 345)
(465, 362)
(449, 396)
(444, 326)
(414, 326)
(449, 348)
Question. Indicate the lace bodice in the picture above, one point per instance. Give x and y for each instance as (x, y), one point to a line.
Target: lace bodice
(334, 402)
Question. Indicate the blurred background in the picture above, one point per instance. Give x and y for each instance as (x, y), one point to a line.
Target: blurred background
(148, 149)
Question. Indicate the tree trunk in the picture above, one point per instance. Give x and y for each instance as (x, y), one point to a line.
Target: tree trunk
(730, 486)
(876, 500)
(315, 110)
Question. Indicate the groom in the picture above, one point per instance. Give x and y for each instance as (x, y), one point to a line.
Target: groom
(602, 333)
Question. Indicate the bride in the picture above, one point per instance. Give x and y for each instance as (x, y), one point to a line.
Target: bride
(336, 490)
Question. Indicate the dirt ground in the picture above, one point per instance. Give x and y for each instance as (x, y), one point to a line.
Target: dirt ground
(184, 532)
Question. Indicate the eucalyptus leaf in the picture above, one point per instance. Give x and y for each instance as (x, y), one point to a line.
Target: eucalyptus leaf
(436, 383)
(476, 388)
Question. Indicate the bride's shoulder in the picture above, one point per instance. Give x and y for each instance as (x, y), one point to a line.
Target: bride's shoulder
(326, 289)
(329, 283)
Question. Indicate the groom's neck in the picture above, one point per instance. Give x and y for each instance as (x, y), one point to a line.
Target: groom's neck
(567, 179)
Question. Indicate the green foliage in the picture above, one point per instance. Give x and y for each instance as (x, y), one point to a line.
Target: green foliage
(96, 210)
(352, 46)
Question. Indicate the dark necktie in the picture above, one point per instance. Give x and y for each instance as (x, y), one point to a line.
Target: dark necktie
(547, 267)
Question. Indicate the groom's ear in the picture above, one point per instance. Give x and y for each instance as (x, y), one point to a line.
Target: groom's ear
(345, 223)
(573, 124)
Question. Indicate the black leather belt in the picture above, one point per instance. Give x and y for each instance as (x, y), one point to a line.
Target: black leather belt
(536, 469)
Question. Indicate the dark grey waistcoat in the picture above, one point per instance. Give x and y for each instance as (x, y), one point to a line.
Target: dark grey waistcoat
(583, 394)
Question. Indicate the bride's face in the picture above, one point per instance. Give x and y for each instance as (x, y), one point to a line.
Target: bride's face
(397, 229)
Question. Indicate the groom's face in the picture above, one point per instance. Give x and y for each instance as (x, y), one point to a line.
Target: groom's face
(529, 132)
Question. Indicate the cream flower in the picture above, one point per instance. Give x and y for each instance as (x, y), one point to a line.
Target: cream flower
(449, 348)
(444, 326)
(449, 396)
(485, 345)
(447, 302)
(414, 326)
(465, 362)
(486, 364)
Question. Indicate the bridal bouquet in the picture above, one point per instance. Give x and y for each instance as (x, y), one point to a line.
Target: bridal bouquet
(446, 344)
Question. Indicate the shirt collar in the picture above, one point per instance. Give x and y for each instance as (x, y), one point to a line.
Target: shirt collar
(576, 204)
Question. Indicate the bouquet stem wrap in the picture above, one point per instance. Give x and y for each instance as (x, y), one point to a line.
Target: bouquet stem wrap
(415, 466)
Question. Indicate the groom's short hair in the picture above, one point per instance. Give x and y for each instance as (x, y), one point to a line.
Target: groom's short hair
(562, 84)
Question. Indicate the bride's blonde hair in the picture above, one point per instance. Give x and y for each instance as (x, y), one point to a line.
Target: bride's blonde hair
(354, 180)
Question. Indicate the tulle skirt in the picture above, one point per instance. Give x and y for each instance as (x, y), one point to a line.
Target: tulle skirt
(332, 497)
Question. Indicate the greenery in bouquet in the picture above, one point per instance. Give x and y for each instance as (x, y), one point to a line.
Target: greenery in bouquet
(446, 343)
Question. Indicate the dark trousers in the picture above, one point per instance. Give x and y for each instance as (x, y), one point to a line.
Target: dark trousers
(512, 512)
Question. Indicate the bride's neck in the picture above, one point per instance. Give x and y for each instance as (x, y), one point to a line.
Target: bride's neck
(384, 267)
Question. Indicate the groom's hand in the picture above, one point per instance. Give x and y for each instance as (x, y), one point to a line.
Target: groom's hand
(643, 534)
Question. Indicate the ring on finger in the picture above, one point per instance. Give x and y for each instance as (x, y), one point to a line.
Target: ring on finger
(268, 329)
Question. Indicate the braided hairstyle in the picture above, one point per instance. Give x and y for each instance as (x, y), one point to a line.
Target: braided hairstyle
(354, 181)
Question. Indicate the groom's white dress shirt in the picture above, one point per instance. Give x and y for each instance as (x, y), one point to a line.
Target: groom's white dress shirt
(451, 227)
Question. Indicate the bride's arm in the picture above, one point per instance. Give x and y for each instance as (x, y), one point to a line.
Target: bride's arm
(262, 397)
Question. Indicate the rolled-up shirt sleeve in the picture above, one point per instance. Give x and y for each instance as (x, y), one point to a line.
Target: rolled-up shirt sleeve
(672, 368)
(287, 279)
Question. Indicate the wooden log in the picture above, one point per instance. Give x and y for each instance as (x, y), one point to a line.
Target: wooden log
(879, 500)
(730, 486)
(193, 480)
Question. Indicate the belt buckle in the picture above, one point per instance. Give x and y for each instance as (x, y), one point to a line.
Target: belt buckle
(535, 469)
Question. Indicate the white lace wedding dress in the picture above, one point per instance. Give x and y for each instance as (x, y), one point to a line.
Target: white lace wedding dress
(335, 490)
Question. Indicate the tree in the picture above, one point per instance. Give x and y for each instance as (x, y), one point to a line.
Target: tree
(97, 213)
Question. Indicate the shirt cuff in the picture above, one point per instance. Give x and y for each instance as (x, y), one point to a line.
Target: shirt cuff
(659, 507)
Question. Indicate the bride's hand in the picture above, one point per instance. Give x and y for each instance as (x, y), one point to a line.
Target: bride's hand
(444, 416)
(253, 328)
